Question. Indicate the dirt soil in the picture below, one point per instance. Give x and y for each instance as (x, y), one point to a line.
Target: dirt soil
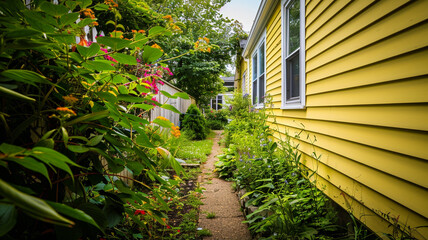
(220, 198)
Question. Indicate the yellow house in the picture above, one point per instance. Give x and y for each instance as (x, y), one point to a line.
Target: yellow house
(354, 76)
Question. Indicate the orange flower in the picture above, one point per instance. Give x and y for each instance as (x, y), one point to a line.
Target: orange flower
(83, 42)
(168, 17)
(95, 23)
(141, 31)
(162, 118)
(70, 99)
(66, 110)
(157, 46)
(175, 131)
(88, 13)
(134, 31)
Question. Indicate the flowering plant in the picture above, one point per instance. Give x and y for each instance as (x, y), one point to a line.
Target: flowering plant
(74, 119)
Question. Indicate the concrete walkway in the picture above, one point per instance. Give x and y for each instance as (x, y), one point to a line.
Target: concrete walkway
(220, 199)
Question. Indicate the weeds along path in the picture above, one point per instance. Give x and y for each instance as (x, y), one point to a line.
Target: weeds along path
(221, 213)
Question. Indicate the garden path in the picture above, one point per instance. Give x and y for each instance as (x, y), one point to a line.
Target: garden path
(219, 198)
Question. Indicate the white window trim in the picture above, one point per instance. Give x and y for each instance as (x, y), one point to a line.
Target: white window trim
(262, 39)
(301, 102)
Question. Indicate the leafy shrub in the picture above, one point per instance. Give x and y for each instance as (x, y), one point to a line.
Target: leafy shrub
(194, 124)
(216, 120)
(289, 204)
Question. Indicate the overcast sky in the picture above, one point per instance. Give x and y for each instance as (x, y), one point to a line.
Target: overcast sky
(243, 11)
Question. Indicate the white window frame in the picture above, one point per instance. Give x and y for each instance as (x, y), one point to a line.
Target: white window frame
(262, 41)
(299, 102)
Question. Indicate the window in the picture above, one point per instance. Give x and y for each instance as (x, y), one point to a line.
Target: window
(258, 60)
(293, 54)
(217, 102)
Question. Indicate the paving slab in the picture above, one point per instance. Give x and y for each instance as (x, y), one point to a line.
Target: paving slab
(219, 198)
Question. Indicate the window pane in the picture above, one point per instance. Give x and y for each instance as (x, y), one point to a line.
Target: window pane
(254, 91)
(255, 67)
(261, 88)
(293, 77)
(293, 26)
(220, 101)
(262, 59)
(213, 103)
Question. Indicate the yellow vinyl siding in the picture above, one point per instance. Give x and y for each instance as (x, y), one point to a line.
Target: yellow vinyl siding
(366, 104)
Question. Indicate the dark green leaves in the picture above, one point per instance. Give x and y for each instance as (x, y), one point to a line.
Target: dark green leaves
(33, 206)
(55, 10)
(89, 51)
(69, 18)
(25, 76)
(98, 65)
(8, 216)
(73, 213)
(151, 54)
(114, 43)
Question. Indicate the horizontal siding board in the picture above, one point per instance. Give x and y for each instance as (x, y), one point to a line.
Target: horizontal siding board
(326, 16)
(379, 204)
(352, 10)
(407, 168)
(411, 143)
(397, 92)
(415, 39)
(406, 194)
(415, 13)
(401, 67)
(318, 10)
(311, 6)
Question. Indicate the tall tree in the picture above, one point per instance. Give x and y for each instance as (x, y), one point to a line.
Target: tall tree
(199, 74)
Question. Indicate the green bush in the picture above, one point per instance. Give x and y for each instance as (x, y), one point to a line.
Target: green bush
(194, 124)
(216, 120)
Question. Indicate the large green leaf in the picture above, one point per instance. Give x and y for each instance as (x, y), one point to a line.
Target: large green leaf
(23, 33)
(151, 54)
(170, 107)
(143, 140)
(182, 95)
(33, 206)
(124, 58)
(69, 18)
(55, 10)
(128, 98)
(52, 157)
(98, 65)
(73, 213)
(163, 123)
(89, 51)
(114, 43)
(25, 76)
(89, 117)
(168, 95)
(8, 216)
(143, 106)
(17, 95)
(33, 165)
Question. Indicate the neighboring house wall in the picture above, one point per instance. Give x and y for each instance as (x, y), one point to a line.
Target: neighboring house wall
(179, 103)
(366, 98)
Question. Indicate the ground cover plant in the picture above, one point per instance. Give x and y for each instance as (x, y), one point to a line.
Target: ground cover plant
(74, 124)
(288, 205)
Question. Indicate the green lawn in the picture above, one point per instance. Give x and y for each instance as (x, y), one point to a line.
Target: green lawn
(193, 151)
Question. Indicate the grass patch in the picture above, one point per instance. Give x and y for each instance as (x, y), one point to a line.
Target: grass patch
(210, 215)
(204, 233)
(192, 151)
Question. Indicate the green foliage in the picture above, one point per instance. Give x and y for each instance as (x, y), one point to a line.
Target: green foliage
(216, 120)
(73, 119)
(211, 215)
(194, 124)
(189, 150)
(289, 206)
(204, 233)
(199, 74)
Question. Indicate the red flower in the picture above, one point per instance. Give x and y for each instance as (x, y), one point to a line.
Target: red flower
(167, 226)
(142, 212)
(178, 230)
